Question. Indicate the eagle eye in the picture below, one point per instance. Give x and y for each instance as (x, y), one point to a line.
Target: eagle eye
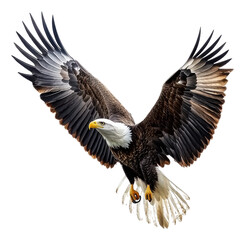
(102, 123)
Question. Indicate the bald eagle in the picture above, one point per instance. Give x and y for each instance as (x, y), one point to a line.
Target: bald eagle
(180, 124)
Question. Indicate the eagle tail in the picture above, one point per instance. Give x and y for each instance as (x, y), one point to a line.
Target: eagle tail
(169, 202)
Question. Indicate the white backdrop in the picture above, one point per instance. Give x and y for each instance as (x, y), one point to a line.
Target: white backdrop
(50, 188)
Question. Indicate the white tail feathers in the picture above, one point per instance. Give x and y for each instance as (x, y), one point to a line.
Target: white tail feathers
(169, 202)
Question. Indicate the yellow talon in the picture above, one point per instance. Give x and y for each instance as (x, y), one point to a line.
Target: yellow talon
(148, 193)
(135, 197)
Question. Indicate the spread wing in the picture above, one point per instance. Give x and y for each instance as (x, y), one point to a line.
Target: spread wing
(190, 103)
(70, 91)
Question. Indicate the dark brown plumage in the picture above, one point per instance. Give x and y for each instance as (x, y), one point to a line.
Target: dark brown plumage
(183, 120)
(74, 95)
(180, 124)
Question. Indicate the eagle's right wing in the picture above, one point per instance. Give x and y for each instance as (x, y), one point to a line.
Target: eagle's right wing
(69, 90)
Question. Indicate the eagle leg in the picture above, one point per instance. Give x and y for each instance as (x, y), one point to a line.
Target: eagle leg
(150, 177)
(135, 197)
(148, 193)
(131, 175)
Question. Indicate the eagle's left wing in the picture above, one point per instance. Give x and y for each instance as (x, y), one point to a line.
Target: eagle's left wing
(189, 107)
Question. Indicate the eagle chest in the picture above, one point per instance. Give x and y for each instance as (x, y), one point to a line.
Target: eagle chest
(131, 157)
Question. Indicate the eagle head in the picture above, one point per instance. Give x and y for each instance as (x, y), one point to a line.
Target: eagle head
(116, 134)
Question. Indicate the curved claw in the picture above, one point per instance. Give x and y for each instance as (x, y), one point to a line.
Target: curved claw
(136, 201)
(135, 197)
(148, 193)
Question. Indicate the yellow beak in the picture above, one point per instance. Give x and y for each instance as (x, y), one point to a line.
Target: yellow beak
(94, 124)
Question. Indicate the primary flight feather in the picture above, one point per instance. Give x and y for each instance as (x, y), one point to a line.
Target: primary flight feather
(180, 124)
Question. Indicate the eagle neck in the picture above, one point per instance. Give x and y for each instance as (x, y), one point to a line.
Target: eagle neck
(119, 137)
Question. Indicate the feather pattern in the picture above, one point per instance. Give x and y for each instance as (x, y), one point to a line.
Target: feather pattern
(190, 103)
(69, 90)
(180, 124)
(169, 202)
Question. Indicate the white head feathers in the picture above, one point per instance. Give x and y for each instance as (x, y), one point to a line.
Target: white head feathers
(116, 134)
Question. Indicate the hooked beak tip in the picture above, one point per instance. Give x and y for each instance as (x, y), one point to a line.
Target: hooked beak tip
(92, 125)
